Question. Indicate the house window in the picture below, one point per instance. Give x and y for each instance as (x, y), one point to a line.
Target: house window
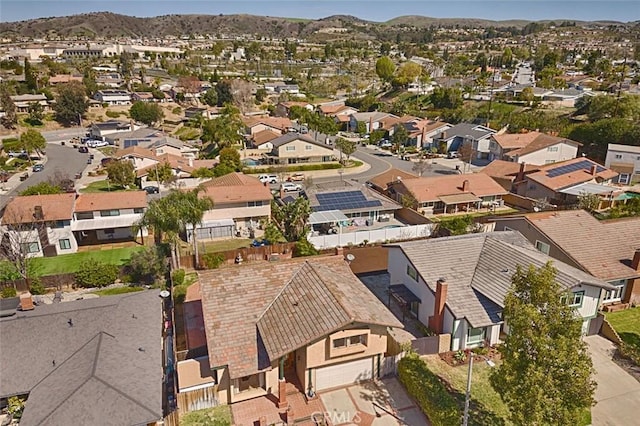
(59, 224)
(308, 147)
(618, 156)
(254, 204)
(138, 210)
(106, 213)
(543, 247)
(65, 244)
(84, 215)
(412, 272)
(552, 149)
(345, 342)
(616, 294)
(290, 148)
(623, 178)
(30, 247)
(475, 336)
(574, 300)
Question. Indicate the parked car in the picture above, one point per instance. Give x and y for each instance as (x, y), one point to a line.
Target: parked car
(268, 178)
(290, 187)
(453, 154)
(38, 167)
(83, 149)
(96, 143)
(151, 189)
(296, 177)
(17, 154)
(384, 143)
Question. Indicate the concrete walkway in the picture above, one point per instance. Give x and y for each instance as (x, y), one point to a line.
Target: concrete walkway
(618, 393)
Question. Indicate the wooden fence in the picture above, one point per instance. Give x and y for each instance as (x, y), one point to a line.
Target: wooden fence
(431, 345)
(282, 251)
(50, 282)
(198, 399)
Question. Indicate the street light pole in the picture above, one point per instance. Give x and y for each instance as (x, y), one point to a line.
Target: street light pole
(465, 419)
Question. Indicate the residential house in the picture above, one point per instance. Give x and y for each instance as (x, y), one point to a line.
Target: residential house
(562, 183)
(142, 97)
(474, 135)
(111, 127)
(173, 146)
(254, 125)
(262, 139)
(507, 172)
(350, 206)
(64, 78)
(39, 225)
(532, 148)
(294, 148)
(141, 136)
(372, 120)
(113, 97)
(567, 97)
(23, 102)
(239, 202)
(449, 194)
(102, 217)
(383, 181)
(609, 250)
(110, 79)
(91, 361)
(624, 159)
(457, 285)
(260, 336)
(283, 108)
(336, 110)
(422, 131)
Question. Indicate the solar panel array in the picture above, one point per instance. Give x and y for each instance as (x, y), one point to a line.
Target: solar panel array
(574, 167)
(347, 200)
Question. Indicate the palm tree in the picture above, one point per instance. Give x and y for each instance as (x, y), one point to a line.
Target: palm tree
(163, 216)
(192, 208)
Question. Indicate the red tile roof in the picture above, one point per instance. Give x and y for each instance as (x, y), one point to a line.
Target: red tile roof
(89, 202)
(55, 207)
(426, 189)
(236, 188)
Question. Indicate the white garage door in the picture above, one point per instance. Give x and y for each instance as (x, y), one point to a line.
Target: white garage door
(344, 374)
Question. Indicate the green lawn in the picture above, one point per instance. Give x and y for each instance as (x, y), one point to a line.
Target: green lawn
(627, 324)
(481, 389)
(104, 186)
(70, 263)
(217, 416)
(225, 245)
(117, 290)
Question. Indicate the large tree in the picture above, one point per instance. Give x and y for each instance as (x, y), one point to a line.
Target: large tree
(292, 218)
(10, 118)
(121, 173)
(385, 68)
(146, 112)
(193, 205)
(71, 103)
(545, 374)
(346, 147)
(224, 130)
(33, 141)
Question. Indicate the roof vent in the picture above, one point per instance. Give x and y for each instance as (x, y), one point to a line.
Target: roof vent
(37, 213)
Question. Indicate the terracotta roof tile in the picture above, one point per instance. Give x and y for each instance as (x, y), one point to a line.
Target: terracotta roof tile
(236, 187)
(427, 189)
(270, 304)
(383, 180)
(501, 169)
(551, 181)
(601, 248)
(88, 202)
(54, 207)
(264, 136)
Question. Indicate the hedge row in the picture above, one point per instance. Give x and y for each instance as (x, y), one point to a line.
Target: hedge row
(430, 393)
(301, 168)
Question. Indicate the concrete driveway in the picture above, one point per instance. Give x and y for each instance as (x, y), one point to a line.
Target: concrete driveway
(380, 403)
(618, 393)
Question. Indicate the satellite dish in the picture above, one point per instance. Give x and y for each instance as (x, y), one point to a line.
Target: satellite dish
(536, 209)
(164, 294)
(350, 257)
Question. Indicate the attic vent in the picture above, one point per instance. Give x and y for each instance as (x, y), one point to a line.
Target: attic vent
(37, 213)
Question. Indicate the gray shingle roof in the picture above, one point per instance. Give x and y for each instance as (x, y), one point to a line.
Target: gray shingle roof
(292, 136)
(99, 371)
(262, 310)
(476, 131)
(478, 269)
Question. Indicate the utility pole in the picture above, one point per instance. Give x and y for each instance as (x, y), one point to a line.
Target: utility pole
(624, 65)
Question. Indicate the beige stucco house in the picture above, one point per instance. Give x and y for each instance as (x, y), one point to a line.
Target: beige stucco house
(290, 321)
(532, 148)
(293, 148)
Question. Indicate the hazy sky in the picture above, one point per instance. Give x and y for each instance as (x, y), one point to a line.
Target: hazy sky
(374, 10)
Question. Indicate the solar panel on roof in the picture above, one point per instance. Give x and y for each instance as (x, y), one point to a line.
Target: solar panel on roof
(574, 167)
(347, 200)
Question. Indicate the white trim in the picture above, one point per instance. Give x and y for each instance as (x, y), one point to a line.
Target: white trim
(192, 388)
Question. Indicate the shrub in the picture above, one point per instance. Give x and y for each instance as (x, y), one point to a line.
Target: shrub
(178, 277)
(460, 356)
(37, 287)
(8, 292)
(212, 260)
(112, 114)
(147, 265)
(304, 248)
(179, 293)
(93, 273)
(430, 393)
(302, 168)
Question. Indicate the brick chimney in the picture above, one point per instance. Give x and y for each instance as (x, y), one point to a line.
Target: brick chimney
(436, 320)
(594, 169)
(520, 175)
(339, 251)
(632, 293)
(465, 186)
(26, 302)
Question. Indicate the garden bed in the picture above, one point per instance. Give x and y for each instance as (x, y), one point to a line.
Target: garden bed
(458, 358)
